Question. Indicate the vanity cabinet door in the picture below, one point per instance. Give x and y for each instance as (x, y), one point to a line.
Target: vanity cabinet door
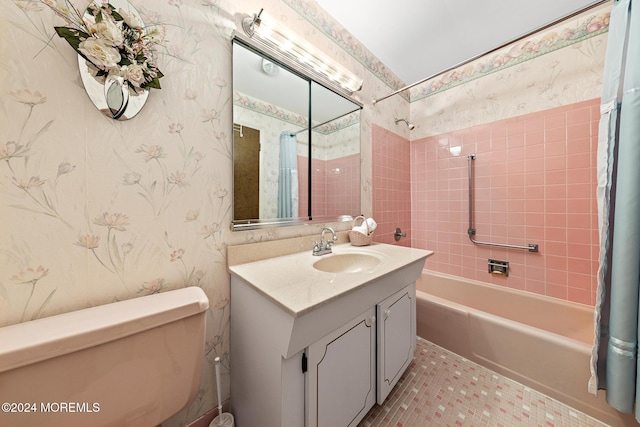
(340, 383)
(396, 338)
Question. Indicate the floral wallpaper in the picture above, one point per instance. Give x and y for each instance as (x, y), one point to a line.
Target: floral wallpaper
(95, 210)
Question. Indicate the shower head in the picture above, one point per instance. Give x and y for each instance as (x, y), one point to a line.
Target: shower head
(409, 125)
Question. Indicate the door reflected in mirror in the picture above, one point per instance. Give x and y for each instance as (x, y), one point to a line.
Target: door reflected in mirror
(246, 172)
(286, 125)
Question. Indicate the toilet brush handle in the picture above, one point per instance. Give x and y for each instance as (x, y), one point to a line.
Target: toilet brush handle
(217, 360)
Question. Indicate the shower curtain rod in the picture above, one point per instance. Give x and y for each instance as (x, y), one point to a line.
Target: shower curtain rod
(544, 27)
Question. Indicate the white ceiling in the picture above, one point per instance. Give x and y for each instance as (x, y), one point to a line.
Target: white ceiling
(419, 38)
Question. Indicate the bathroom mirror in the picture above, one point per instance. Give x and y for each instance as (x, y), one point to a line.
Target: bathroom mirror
(296, 145)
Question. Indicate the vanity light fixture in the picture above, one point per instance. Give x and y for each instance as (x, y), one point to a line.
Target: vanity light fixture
(293, 47)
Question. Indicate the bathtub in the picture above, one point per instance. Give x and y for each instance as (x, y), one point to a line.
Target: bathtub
(541, 342)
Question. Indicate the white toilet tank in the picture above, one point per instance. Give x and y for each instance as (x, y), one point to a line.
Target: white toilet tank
(130, 363)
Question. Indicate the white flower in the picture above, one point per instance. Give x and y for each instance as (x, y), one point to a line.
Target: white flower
(112, 41)
(25, 96)
(131, 19)
(134, 73)
(92, 69)
(109, 32)
(178, 178)
(98, 52)
(155, 34)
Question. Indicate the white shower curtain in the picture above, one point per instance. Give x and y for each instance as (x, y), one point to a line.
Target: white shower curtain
(288, 176)
(614, 361)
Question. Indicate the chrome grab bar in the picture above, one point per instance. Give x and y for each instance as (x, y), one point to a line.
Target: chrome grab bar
(531, 247)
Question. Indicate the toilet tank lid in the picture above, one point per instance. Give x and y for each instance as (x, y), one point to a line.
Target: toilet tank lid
(30, 342)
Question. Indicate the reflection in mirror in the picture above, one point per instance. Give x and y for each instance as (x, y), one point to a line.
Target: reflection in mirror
(274, 103)
(335, 155)
(271, 136)
(246, 172)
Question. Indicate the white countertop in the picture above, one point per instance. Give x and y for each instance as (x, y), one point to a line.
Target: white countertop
(297, 287)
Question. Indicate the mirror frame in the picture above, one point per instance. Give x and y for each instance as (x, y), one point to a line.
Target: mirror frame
(267, 52)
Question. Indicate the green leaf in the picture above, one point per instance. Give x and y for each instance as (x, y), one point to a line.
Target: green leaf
(144, 196)
(155, 83)
(72, 36)
(48, 201)
(40, 132)
(116, 253)
(116, 15)
(3, 292)
(44, 304)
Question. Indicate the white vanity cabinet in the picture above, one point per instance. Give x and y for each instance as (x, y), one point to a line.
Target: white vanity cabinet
(396, 338)
(318, 349)
(329, 380)
(341, 376)
(359, 364)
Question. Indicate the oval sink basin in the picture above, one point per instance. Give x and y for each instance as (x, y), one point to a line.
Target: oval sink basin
(347, 263)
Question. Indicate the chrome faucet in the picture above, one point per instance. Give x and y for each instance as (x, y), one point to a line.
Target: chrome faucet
(322, 247)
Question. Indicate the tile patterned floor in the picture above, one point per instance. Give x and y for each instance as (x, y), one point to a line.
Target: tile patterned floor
(441, 388)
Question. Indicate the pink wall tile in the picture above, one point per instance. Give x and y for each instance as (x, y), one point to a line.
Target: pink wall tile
(392, 185)
(555, 120)
(303, 186)
(580, 295)
(533, 123)
(329, 177)
(534, 183)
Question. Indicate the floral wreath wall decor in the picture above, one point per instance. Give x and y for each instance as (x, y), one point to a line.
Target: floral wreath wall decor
(115, 53)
